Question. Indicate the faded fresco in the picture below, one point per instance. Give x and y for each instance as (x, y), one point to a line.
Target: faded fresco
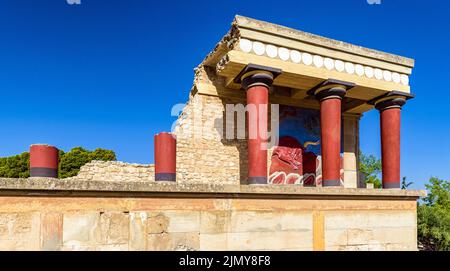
(297, 158)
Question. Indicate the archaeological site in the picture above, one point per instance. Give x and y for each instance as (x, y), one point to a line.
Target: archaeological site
(264, 156)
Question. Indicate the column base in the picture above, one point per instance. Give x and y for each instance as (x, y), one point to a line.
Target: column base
(165, 177)
(391, 185)
(43, 172)
(257, 180)
(331, 183)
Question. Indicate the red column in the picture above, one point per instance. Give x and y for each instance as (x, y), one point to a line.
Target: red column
(257, 80)
(390, 111)
(43, 161)
(330, 125)
(330, 94)
(165, 157)
(257, 104)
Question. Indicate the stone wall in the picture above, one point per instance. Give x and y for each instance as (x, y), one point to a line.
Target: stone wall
(45, 214)
(203, 155)
(116, 171)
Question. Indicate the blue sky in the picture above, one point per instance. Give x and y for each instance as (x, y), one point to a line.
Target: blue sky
(107, 72)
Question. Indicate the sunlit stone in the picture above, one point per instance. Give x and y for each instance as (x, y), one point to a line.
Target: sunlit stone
(258, 48)
(339, 65)
(359, 69)
(378, 74)
(329, 63)
(349, 68)
(404, 79)
(307, 59)
(283, 53)
(387, 75)
(296, 56)
(271, 51)
(396, 77)
(318, 61)
(245, 45)
(368, 71)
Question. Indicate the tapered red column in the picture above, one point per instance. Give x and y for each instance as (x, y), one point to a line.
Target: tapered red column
(165, 157)
(390, 114)
(257, 80)
(43, 161)
(330, 96)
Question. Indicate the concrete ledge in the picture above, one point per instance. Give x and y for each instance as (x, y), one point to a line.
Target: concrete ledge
(61, 187)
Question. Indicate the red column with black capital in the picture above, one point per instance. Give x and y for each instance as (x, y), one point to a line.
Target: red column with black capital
(257, 80)
(390, 121)
(330, 94)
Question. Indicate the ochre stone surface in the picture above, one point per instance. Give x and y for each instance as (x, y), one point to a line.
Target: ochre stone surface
(48, 214)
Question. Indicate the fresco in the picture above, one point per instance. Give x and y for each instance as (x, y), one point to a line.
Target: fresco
(297, 158)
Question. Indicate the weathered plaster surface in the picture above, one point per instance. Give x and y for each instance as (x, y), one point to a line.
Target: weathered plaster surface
(74, 214)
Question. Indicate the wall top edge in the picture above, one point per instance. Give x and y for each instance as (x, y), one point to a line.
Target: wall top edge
(290, 33)
(38, 186)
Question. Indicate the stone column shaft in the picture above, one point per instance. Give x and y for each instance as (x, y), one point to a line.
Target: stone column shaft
(257, 80)
(390, 106)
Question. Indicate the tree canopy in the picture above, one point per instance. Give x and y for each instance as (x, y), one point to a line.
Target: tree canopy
(433, 221)
(18, 166)
(370, 166)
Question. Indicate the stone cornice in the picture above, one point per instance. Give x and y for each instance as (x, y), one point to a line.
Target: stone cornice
(79, 187)
(274, 29)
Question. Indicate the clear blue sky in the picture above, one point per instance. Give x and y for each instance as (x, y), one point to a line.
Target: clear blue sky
(107, 72)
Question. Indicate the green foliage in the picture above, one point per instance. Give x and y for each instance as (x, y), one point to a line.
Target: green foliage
(370, 166)
(433, 221)
(69, 163)
(17, 166)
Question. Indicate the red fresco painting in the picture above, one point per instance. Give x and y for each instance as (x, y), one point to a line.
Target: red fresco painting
(296, 160)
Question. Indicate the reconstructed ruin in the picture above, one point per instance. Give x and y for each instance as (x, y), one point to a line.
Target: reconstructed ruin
(264, 157)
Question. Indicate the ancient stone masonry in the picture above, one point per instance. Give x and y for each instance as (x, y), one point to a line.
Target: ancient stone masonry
(116, 171)
(74, 214)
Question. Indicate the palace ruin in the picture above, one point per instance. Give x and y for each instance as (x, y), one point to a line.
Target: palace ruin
(208, 191)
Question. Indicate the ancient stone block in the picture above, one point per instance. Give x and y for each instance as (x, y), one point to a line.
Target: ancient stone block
(359, 236)
(335, 238)
(183, 221)
(213, 242)
(214, 222)
(157, 223)
(403, 235)
(369, 219)
(159, 241)
(114, 227)
(81, 230)
(51, 231)
(270, 240)
(138, 231)
(20, 231)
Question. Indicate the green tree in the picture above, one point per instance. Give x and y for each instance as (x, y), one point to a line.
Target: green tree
(72, 161)
(17, 166)
(433, 220)
(370, 166)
